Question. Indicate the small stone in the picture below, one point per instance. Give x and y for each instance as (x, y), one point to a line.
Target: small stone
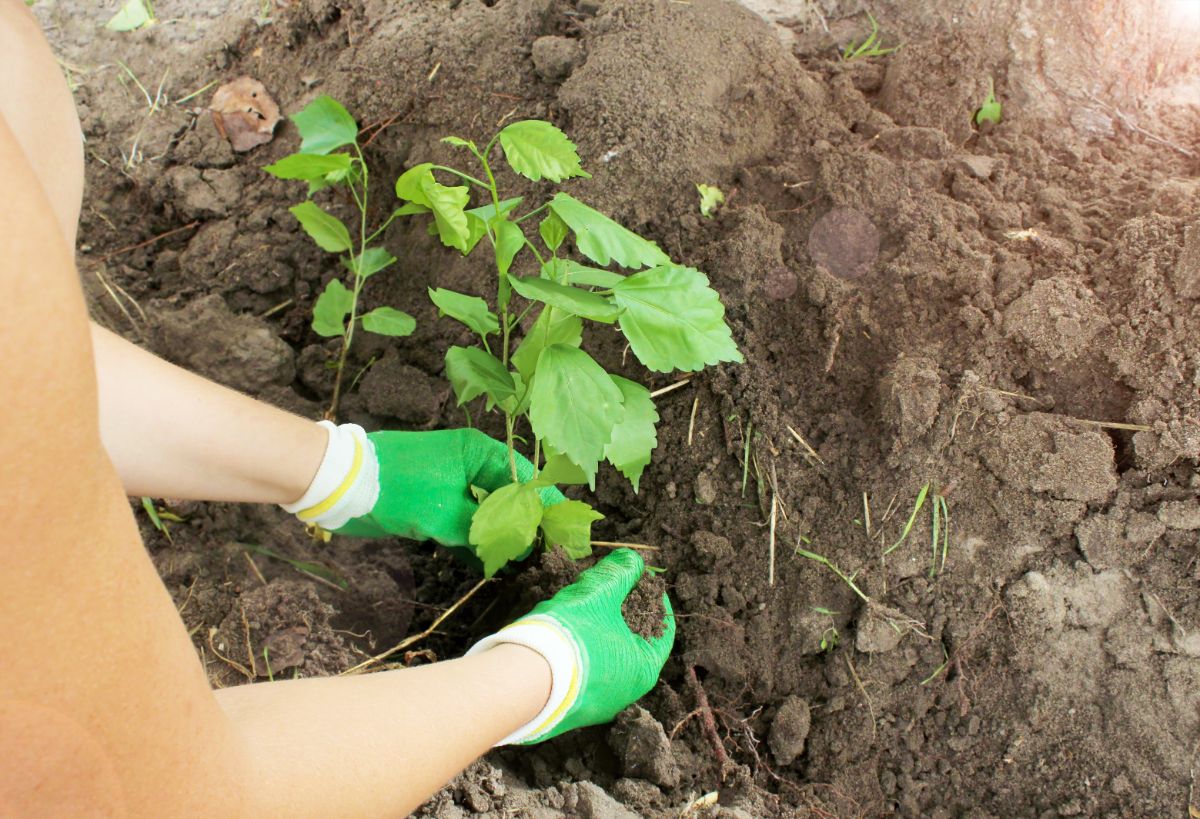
(706, 489)
(1183, 514)
(789, 730)
(591, 802)
(640, 742)
(980, 167)
(554, 58)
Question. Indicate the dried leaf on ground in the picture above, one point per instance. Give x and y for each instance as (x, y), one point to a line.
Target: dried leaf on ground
(244, 113)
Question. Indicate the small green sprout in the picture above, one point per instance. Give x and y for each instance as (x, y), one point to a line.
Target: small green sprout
(325, 126)
(711, 199)
(990, 110)
(872, 46)
(829, 637)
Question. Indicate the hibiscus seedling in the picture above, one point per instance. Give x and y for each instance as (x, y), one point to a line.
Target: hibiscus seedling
(578, 414)
(325, 127)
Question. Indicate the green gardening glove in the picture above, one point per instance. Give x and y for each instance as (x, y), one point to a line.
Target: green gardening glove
(425, 481)
(599, 666)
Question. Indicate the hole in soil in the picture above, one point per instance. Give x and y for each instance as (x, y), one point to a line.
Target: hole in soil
(1123, 445)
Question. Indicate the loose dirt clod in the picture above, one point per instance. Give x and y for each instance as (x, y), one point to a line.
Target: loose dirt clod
(643, 608)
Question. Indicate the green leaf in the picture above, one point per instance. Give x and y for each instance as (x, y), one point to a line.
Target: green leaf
(477, 219)
(369, 262)
(410, 209)
(569, 525)
(459, 142)
(635, 437)
(326, 230)
(447, 204)
(324, 125)
(553, 231)
(474, 372)
(470, 310)
(331, 308)
(410, 184)
(133, 15)
(674, 320)
(536, 149)
(505, 524)
(575, 300)
(602, 240)
(309, 166)
(561, 469)
(388, 321)
(551, 327)
(574, 405)
(575, 273)
(509, 241)
(711, 198)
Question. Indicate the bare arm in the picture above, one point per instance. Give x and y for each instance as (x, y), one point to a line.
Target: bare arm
(171, 433)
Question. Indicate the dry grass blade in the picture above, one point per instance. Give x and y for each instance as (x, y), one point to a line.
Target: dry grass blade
(416, 638)
(616, 544)
(809, 452)
(670, 388)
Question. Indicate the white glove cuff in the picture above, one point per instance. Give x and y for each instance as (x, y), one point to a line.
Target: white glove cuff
(547, 637)
(346, 484)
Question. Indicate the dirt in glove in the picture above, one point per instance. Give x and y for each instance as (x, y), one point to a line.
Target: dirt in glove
(1005, 317)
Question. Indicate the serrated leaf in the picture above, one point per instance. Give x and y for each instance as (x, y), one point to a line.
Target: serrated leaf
(509, 241)
(309, 166)
(470, 310)
(505, 524)
(711, 198)
(331, 308)
(388, 321)
(459, 142)
(536, 149)
(369, 262)
(574, 405)
(410, 184)
(474, 372)
(674, 320)
(133, 15)
(553, 231)
(551, 327)
(560, 469)
(477, 219)
(574, 300)
(326, 230)
(447, 204)
(602, 240)
(569, 524)
(635, 437)
(575, 273)
(324, 125)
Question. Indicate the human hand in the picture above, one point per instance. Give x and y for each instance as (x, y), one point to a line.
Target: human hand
(599, 666)
(425, 481)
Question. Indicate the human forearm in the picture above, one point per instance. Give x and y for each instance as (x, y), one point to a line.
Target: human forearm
(171, 433)
(380, 744)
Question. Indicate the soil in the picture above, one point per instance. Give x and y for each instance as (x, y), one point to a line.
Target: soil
(1007, 315)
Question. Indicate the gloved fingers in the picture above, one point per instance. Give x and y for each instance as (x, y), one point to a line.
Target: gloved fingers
(486, 460)
(550, 495)
(613, 577)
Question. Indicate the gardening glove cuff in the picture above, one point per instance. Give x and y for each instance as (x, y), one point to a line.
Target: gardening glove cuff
(346, 484)
(547, 637)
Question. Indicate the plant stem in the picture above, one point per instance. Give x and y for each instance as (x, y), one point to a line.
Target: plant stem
(461, 175)
(359, 280)
(504, 323)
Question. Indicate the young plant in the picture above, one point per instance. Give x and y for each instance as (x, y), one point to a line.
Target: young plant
(325, 127)
(990, 110)
(711, 198)
(578, 413)
(872, 46)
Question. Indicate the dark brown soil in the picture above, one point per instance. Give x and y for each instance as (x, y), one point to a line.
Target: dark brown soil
(643, 608)
(1009, 315)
